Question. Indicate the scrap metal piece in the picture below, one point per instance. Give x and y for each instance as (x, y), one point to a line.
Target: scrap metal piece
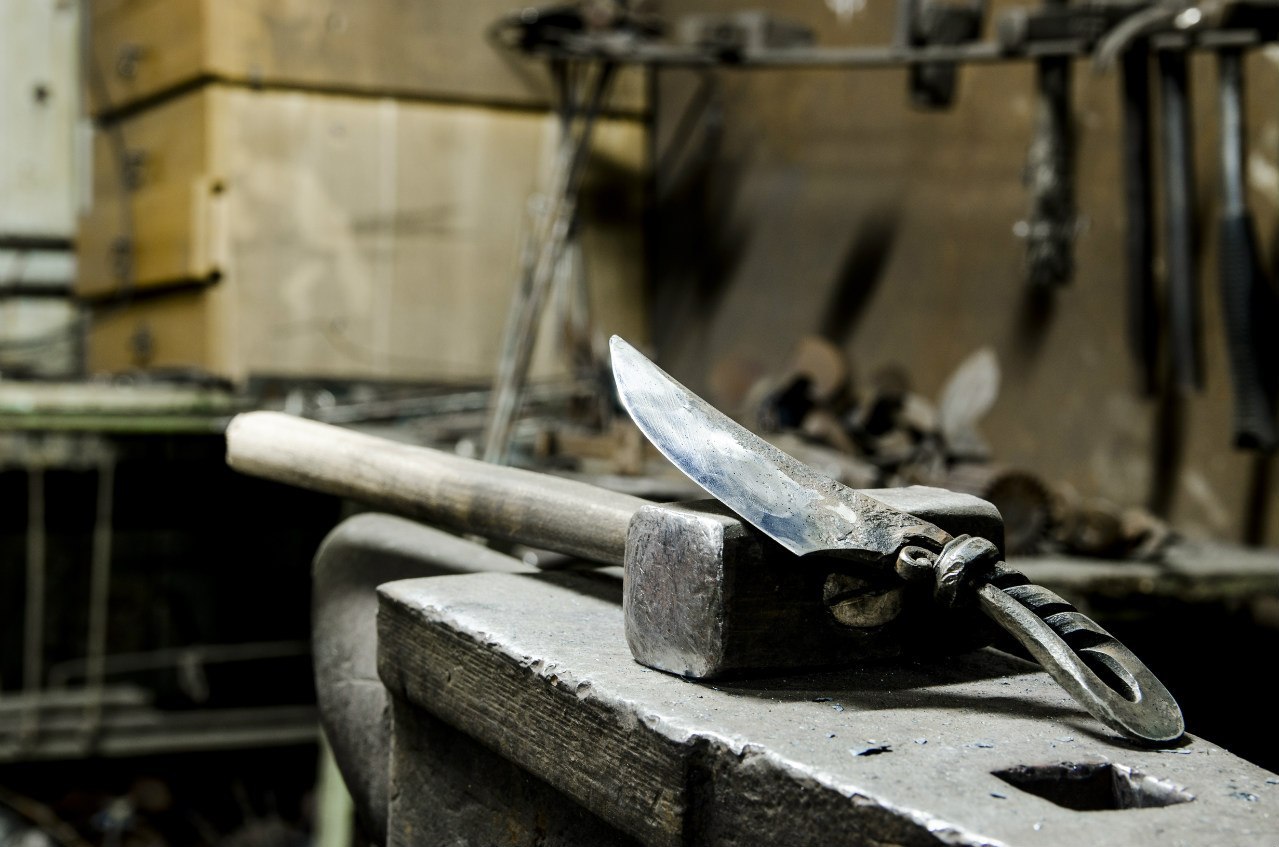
(809, 513)
(932, 84)
(1050, 178)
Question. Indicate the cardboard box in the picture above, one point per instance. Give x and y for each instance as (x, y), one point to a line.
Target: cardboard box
(290, 233)
(141, 49)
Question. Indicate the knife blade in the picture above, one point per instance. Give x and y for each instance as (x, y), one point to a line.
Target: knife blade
(808, 513)
(804, 511)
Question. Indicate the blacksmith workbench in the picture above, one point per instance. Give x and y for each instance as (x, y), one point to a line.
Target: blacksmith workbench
(519, 717)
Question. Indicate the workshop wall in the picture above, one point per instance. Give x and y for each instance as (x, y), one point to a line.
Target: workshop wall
(39, 188)
(820, 202)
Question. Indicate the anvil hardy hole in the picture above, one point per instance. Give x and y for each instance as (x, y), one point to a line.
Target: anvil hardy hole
(1095, 786)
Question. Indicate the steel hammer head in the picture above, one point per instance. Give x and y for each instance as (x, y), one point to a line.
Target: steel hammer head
(706, 595)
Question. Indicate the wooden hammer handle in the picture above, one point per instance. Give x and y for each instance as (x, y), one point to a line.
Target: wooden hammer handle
(435, 487)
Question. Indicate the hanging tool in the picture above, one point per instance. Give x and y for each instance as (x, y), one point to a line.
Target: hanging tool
(1050, 176)
(1179, 231)
(934, 24)
(1143, 309)
(1247, 301)
(552, 230)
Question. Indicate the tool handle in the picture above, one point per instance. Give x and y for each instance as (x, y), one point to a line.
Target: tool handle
(1143, 319)
(1103, 675)
(1247, 304)
(1179, 230)
(1244, 303)
(435, 487)
(1050, 176)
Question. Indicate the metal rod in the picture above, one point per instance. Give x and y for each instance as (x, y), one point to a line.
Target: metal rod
(1230, 68)
(33, 636)
(1143, 321)
(99, 595)
(1179, 232)
(904, 24)
(877, 56)
(61, 674)
(1247, 304)
(554, 229)
(33, 616)
(1050, 236)
(1050, 174)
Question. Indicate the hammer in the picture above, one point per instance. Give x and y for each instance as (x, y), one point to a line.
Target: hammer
(706, 595)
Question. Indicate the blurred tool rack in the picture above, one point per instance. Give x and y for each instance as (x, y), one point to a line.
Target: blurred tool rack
(756, 40)
(96, 704)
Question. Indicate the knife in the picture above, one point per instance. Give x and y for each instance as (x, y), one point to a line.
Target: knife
(811, 514)
(1247, 304)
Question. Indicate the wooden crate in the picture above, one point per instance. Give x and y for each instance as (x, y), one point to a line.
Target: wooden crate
(419, 48)
(39, 108)
(337, 236)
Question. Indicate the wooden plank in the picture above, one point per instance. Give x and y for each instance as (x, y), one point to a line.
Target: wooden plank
(39, 107)
(138, 48)
(169, 332)
(168, 242)
(143, 48)
(160, 145)
(355, 237)
(152, 188)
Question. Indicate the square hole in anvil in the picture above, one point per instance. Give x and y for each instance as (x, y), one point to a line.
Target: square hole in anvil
(1094, 786)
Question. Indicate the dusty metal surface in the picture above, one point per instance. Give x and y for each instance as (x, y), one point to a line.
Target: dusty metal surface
(451, 789)
(979, 750)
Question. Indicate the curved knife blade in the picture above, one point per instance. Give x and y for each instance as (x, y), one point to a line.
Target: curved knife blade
(801, 509)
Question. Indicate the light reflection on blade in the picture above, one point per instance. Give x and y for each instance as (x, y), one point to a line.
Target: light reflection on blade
(801, 509)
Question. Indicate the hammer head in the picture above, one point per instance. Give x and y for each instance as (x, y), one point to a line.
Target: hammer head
(706, 595)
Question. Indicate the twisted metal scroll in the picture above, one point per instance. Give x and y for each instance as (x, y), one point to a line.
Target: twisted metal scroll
(1103, 675)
